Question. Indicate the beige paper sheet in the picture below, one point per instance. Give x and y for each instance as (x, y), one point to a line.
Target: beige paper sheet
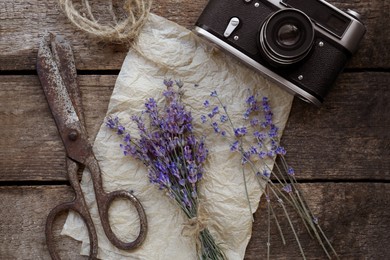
(166, 50)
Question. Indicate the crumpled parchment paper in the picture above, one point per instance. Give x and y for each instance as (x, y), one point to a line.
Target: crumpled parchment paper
(166, 50)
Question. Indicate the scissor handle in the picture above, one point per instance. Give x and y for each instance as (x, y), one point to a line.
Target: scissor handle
(79, 206)
(104, 201)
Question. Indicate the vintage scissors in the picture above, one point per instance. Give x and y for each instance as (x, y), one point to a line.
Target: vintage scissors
(57, 73)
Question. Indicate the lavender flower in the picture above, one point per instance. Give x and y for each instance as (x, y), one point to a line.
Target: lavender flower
(290, 171)
(241, 131)
(214, 94)
(287, 188)
(262, 144)
(234, 146)
(172, 153)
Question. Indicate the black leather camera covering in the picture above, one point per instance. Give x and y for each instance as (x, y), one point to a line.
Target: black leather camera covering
(319, 69)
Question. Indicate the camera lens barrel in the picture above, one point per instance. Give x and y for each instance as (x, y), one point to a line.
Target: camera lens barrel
(286, 37)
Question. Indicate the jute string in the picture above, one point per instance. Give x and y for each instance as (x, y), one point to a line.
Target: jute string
(123, 29)
(194, 226)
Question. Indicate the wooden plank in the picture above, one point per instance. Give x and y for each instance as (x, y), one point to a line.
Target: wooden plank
(350, 133)
(349, 136)
(30, 147)
(23, 218)
(354, 217)
(24, 22)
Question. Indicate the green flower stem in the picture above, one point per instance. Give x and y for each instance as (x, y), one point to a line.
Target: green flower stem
(268, 228)
(247, 194)
(278, 225)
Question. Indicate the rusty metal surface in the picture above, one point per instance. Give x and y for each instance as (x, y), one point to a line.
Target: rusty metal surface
(57, 73)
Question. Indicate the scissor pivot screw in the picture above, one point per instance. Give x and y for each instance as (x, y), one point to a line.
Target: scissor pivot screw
(73, 135)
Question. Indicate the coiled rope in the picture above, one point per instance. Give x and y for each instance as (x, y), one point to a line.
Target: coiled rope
(124, 26)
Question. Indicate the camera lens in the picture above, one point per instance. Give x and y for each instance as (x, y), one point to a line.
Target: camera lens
(286, 37)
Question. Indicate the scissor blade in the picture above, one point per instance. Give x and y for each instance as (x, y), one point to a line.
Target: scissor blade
(72, 131)
(63, 57)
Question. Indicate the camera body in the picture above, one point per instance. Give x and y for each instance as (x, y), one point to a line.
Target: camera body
(303, 45)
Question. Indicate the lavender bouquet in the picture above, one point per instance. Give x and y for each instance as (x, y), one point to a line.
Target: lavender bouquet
(257, 142)
(174, 156)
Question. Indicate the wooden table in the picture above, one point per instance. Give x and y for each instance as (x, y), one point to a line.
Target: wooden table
(340, 151)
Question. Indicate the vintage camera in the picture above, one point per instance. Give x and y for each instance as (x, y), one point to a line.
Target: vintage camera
(301, 44)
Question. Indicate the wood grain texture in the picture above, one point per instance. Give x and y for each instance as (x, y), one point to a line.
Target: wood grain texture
(354, 222)
(340, 151)
(349, 133)
(30, 147)
(353, 216)
(23, 23)
(23, 219)
(349, 136)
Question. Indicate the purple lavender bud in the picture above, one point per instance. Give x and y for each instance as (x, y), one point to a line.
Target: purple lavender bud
(245, 157)
(150, 105)
(121, 130)
(266, 106)
(203, 118)
(287, 188)
(127, 138)
(251, 100)
(192, 179)
(206, 103)
(174, 170)
(271, 153)
(273, 132)
(168, 83)
(262, 154)
(265, 173)
(112, 123)
(191, 140)
(214, 112)
(241, 131)
(254, 122)
(186, 202)
(182, 182)
(259, 135)
(215, 126)
(253, 150)
(201, 153)
(187, 153)
(247, 114)
(290, 171)
(214, 93)
(223, 118)
(234, 146)
(280, 150)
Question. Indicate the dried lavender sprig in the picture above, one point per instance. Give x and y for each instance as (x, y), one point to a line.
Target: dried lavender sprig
(174, 156)
(287, 185)
(214, 94)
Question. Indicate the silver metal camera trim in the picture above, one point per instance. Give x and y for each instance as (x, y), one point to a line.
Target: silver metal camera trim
(290, 87)
(352, 35)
